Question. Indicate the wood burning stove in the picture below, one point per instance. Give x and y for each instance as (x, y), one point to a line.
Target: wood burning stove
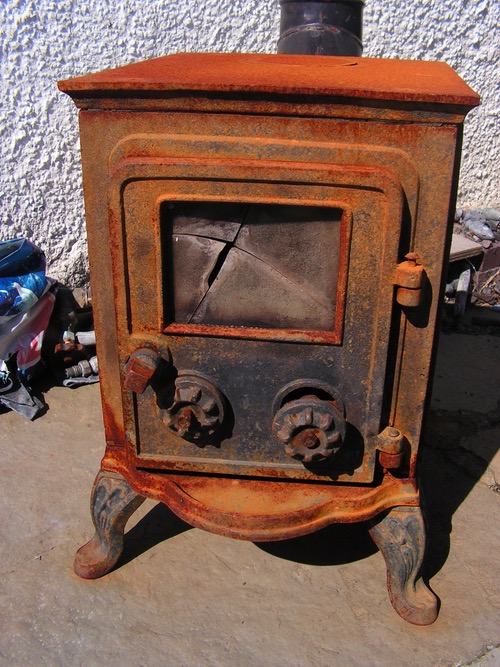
(267, 236)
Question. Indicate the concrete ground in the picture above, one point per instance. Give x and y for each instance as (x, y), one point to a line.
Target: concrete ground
(197, 599)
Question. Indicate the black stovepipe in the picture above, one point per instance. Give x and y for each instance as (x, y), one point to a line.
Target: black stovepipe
(329, 28)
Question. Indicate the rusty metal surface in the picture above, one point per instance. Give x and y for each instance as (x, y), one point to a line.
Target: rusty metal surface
(391, 447)
(140, 369)
(387, 186)
(409, 280)
(333, 76)
(263, 510)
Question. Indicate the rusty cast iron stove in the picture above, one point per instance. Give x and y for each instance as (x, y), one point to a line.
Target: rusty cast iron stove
(267, 236)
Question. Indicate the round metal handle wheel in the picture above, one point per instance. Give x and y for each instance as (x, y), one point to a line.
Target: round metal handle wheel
(311, 429)
(197, 411)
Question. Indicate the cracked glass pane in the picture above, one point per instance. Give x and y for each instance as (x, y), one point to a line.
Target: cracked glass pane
(251, 265)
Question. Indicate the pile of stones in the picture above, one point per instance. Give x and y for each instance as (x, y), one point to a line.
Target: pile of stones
(480, 225)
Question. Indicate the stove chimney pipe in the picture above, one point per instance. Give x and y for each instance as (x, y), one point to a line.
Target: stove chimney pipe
(328, 28)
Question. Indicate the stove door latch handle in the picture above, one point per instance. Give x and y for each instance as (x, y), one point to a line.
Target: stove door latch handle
(140, 368)
(409, 280)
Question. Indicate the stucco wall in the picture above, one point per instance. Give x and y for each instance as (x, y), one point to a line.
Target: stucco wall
(46, 40)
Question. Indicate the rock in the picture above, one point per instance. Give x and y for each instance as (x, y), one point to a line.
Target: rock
(479, 228)
(474, 215)
(459, 213)
(491, 214)
(451, 288)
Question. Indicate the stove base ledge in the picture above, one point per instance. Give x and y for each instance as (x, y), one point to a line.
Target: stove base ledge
(239, 507)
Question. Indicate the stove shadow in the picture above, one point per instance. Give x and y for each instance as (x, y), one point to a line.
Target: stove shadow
(461, 429)
(449, 471)
(334, 545)
(158, 525)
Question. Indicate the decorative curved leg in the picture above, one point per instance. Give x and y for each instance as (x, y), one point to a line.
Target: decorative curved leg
(400, 536)
(112, 503)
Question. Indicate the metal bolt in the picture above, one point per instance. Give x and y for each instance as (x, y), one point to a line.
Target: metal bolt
(411, 257)
(185, 419)
(307, 439)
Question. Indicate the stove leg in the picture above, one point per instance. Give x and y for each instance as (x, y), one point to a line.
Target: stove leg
(112, 503)
(400, 536)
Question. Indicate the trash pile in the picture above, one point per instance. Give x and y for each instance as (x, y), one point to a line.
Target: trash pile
(70, 344)
(37, 330)
(474, 274)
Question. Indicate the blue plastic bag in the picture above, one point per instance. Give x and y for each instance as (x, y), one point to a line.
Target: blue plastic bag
(26, 304)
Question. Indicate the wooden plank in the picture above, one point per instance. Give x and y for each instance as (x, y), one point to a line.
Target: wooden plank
(462, 248)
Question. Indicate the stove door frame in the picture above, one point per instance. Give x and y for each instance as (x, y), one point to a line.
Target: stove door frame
(179, 172)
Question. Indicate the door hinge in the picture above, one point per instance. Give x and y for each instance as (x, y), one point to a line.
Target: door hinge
(409, 279)
(390, 444)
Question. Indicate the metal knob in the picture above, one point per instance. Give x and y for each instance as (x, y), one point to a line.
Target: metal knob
(197, 411)
(311, 429)
(140, 369)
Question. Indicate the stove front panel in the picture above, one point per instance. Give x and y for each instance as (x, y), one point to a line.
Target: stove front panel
(271, 283)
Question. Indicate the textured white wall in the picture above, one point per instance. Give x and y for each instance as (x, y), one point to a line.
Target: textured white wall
(46, 40)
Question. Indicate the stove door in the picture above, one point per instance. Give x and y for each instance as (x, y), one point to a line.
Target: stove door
(258, 312)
